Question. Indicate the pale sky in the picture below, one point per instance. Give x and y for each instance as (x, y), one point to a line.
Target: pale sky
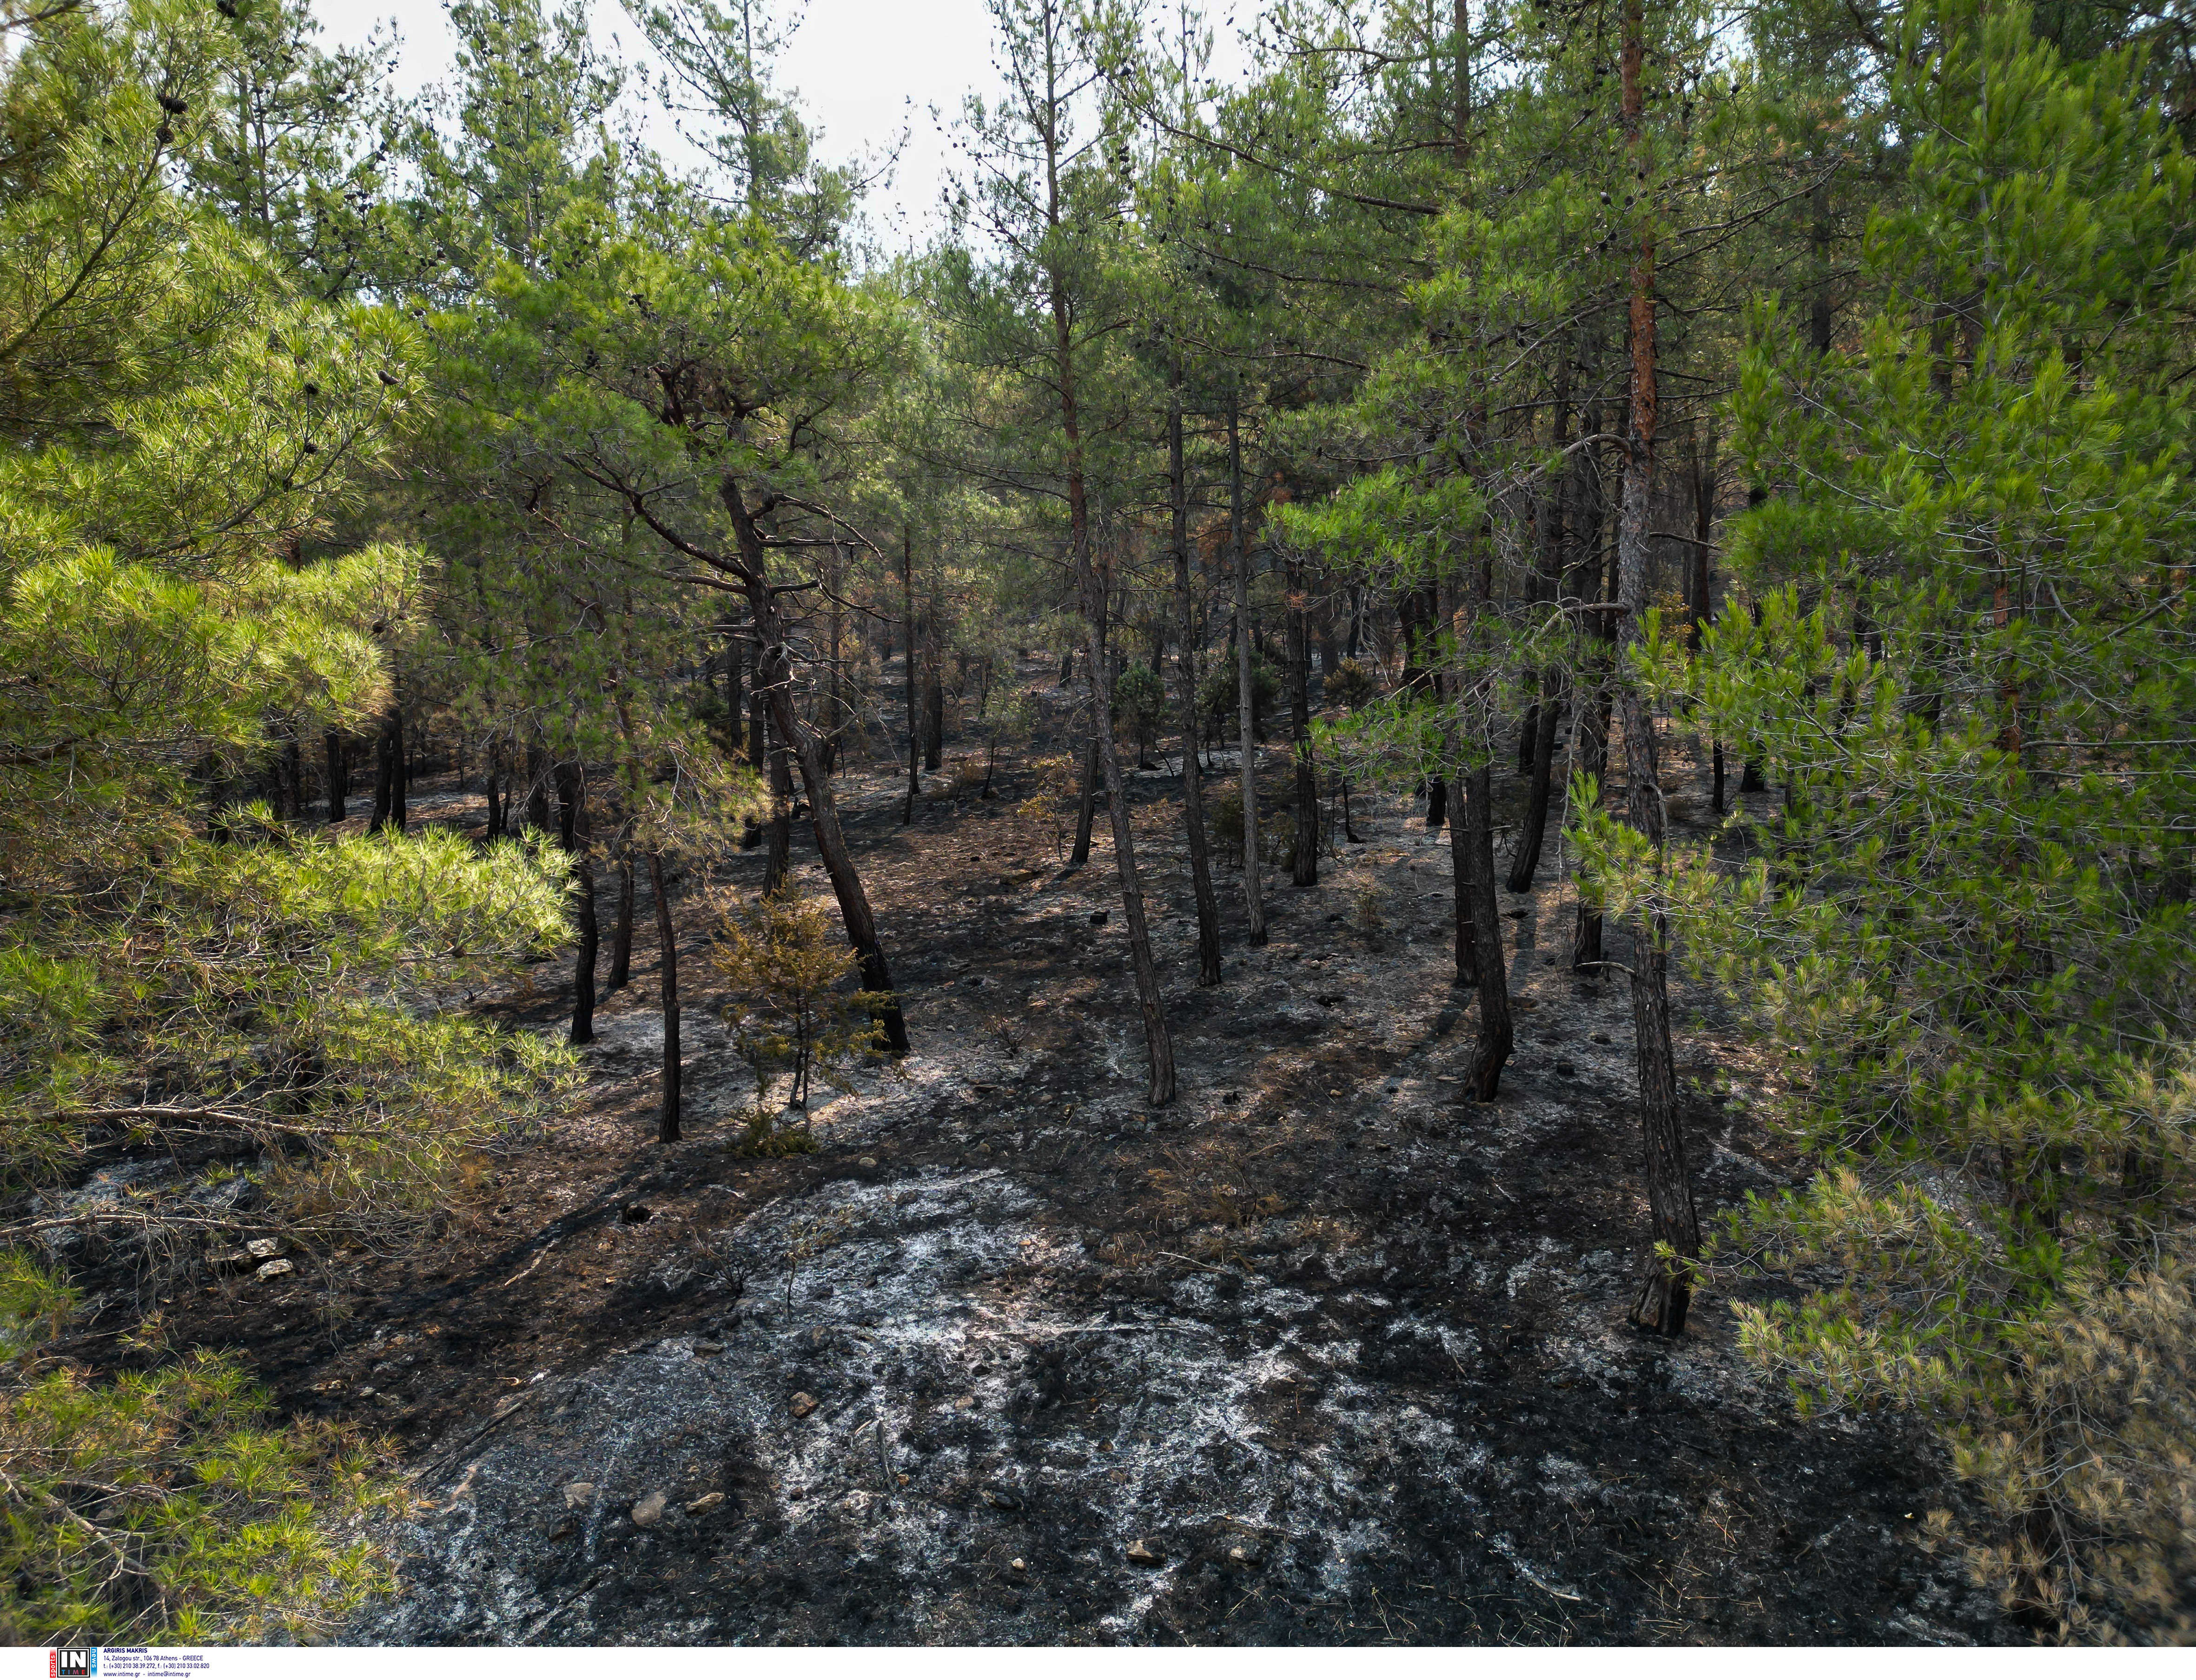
(865, 70)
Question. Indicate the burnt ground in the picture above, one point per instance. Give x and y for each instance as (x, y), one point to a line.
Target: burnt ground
(1320, 1353)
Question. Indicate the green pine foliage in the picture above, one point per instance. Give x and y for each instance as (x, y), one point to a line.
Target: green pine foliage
(1967, 925)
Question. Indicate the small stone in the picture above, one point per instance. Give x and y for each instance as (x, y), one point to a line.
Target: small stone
(1002, 1498)
(868, 1161)
(578, 1493)
(964, 1402)
(1018, 1566)
(1146, 1552)
(648, 1512)
(235, 1261)
(1235, 1553)
(706, 1503)
(263, 1248)
(274, 1269)
(801, 1405)
(564, 1530)
(705, 1347)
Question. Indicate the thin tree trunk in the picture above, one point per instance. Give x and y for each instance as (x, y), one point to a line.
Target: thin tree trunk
(1304, 870)
(1159, 1046)
(907, 630)
(389, 804)
(1666, 1287)
(1459, 876)
(1548, 715)
(1254, 902)
(1495, 1032)
(779, 864)
(339, 759)
(583, 876)
(1193, 781)
(666, 943)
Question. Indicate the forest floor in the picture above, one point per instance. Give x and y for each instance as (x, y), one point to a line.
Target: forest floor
(1320, 1353)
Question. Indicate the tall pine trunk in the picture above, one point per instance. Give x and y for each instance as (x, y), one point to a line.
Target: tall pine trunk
(1157, 1044)
(1254, 900)
(1304, 870)
(1666, 1286)
(1546, 717)
(1193, 779)
(907, 631)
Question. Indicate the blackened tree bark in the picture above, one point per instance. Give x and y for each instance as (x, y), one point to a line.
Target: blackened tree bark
(537, 787)
(1492, 973)
(621, 931)
(1546, 717)
(1254, 898)
(389, 811)
(907, 630)
(1193, 779)
(572, 794)
(492, 787)
(1666, 1286)
(779, 864)
(1304, 869)
(666, 945)
(749, 567)
(337, 751)
(1086, 802)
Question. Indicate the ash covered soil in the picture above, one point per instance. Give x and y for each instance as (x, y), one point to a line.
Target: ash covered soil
(1319, 1353)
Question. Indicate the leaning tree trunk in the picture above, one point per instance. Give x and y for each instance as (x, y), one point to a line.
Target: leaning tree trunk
(774, 678)
(1193, 779)
(1666, 1287)
(1254, 901)
(666, 942)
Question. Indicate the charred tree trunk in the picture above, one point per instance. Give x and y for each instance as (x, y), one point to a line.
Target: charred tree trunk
(1496, 1035)
(1254, 898)
(337, 753)
(774, 676)
(1193, 781)
(573, 794)
(1304, 869)
(1666, 1286)
(667, 943)
(1539, 750)
(389, 805)
(1158, 1045)
(537, 789)
(907, 630)
(621, 931)
(778, 865)
(1086, 804)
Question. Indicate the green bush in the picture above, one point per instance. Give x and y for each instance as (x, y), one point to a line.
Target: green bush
(165, 1507)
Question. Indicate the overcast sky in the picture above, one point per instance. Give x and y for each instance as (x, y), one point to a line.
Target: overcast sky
(865, 70)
